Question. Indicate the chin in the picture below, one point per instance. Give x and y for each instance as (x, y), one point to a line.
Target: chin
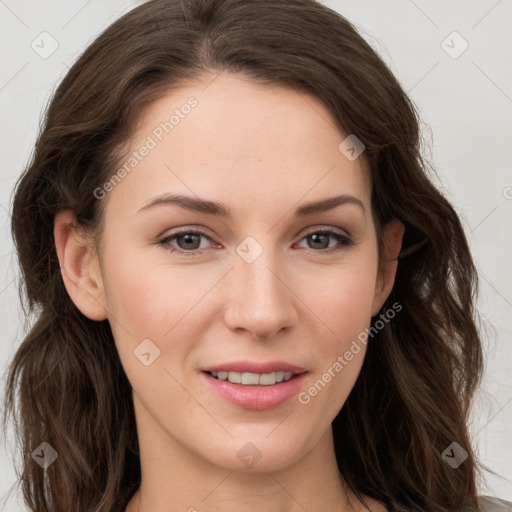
(258, 455)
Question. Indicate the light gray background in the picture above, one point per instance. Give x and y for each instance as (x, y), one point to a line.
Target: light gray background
(466, 102)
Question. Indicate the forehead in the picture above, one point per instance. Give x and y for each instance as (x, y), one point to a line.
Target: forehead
(246, 144)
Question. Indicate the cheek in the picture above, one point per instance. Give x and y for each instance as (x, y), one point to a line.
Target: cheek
(142, 305)
(342, 298)
(149, 297)
(154, 301)
(344, 305)
(136, 300)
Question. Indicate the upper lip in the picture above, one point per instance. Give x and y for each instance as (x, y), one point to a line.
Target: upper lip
(254, 367)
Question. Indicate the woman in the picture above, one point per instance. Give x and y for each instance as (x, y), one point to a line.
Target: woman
(316, 345)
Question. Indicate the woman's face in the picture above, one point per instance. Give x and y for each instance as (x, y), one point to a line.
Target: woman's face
(272, 285)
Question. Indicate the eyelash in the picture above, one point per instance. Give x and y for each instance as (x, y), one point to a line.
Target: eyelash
(344, 242)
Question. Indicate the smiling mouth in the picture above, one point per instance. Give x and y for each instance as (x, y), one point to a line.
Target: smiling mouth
(253, 379)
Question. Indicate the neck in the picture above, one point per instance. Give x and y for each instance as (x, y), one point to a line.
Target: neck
(174, 478)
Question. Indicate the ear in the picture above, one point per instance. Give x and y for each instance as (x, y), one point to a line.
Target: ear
(392, 243)
(79, 266)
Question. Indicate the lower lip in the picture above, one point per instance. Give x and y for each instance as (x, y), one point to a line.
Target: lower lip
(255, 397)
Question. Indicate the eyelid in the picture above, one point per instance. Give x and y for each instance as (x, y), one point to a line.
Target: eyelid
(344, 240)
(182, 230)
(319, 229)
(202, 231)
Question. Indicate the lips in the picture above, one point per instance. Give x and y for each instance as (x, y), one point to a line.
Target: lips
(254, 367)
(255, 396)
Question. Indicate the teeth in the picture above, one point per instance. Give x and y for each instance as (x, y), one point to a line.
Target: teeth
(266, 379)
(253, 379)
(250, 378)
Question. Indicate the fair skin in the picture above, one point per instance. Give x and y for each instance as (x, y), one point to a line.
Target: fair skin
(263, 151)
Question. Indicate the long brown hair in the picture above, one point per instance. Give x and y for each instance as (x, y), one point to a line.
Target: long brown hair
(413, 396)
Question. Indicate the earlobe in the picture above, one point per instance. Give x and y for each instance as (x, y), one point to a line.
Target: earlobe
(392, 243)
(79, 266)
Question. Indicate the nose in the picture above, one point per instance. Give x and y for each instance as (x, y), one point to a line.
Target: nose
(259, 300)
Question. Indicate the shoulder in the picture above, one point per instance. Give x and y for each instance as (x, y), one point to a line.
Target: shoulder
(491, 504)
(486, 504)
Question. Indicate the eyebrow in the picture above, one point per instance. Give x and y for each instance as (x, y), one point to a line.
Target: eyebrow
(221, 210)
